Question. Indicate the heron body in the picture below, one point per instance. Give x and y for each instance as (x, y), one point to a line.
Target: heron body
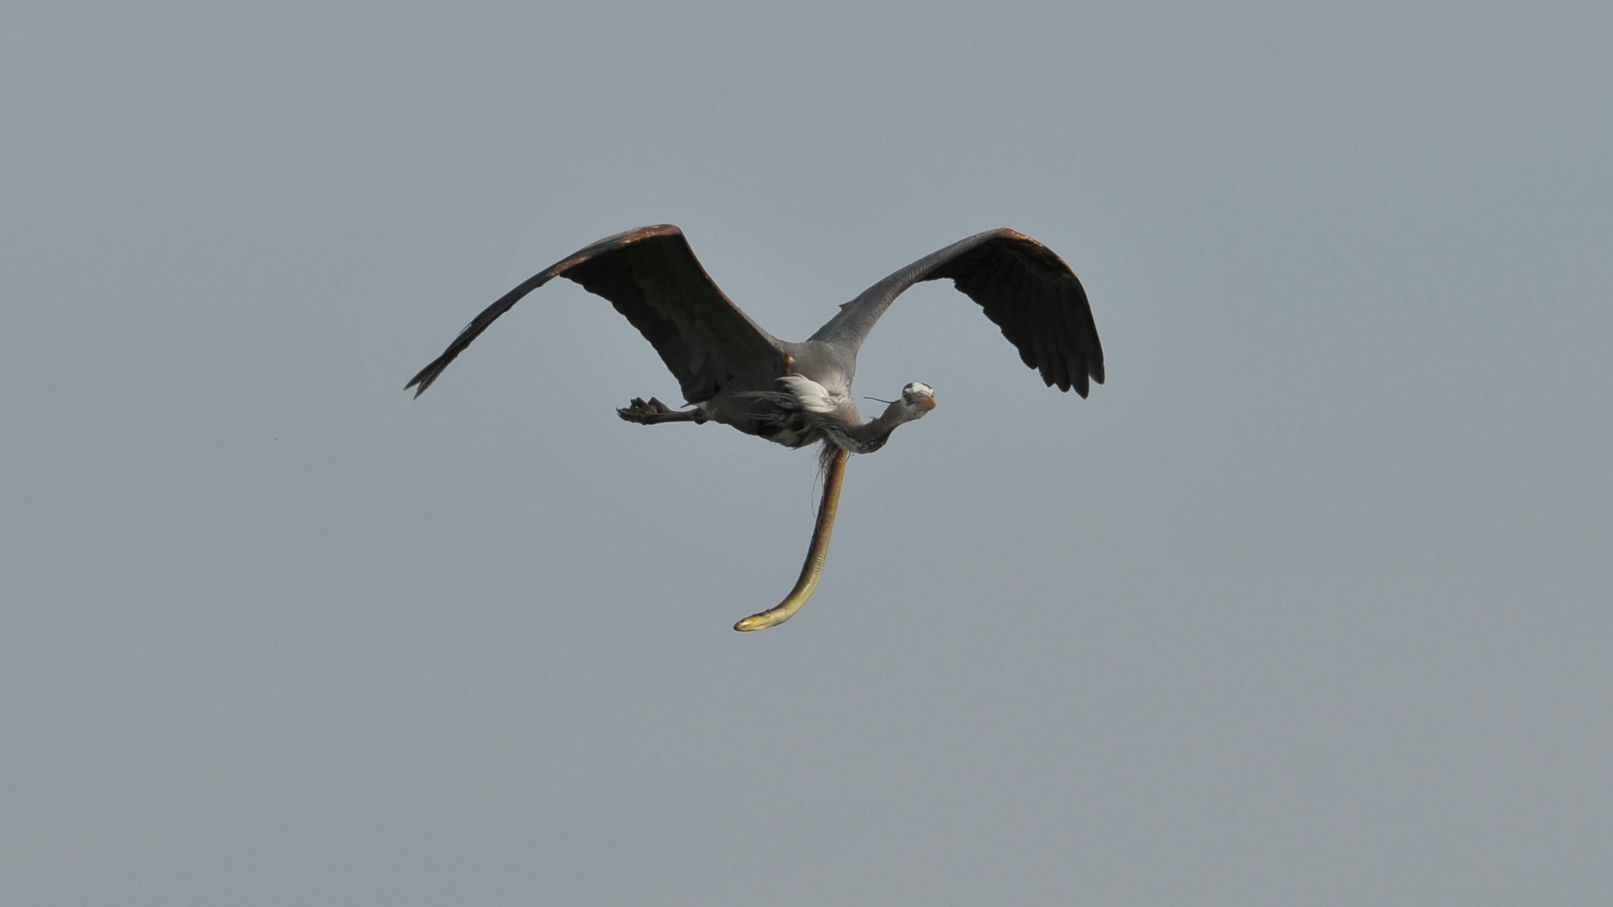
(733, 372)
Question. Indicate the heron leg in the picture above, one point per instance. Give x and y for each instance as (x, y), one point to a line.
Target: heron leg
(817, 553)
(654, 412)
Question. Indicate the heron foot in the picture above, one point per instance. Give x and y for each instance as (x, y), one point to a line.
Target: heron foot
(654, 412)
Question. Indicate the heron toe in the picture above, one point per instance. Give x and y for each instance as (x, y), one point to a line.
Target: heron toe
(654, 412)
(641, 411)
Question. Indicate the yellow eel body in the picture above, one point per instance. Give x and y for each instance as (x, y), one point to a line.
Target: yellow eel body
(817, 553)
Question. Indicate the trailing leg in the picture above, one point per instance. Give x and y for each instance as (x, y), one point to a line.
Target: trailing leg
(654, 412)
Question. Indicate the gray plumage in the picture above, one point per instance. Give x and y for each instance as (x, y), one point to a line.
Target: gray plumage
(734, 372)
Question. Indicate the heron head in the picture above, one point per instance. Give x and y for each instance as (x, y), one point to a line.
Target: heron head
(918, 398)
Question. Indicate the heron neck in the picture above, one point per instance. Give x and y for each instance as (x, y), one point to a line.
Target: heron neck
(872, 435)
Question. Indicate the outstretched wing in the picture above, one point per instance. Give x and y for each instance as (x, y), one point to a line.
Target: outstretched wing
(1023, 287)
(652, 277)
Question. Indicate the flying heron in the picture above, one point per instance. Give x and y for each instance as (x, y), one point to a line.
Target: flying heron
(731, 371)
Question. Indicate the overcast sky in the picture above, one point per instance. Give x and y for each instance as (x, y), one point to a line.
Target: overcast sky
(1307, 605)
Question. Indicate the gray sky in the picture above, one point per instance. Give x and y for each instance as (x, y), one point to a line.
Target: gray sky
(1307, 605)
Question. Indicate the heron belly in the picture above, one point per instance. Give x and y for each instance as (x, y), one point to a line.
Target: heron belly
(765, 420)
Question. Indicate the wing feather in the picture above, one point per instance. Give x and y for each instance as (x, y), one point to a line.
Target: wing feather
(651, 276)
(1020, 284)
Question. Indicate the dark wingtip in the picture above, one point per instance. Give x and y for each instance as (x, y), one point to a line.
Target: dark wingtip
(423, 379)
(1093, 375)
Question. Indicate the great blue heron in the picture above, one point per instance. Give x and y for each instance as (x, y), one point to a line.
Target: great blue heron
(731, 371)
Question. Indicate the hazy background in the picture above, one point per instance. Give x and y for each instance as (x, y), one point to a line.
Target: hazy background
(1307, 605)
